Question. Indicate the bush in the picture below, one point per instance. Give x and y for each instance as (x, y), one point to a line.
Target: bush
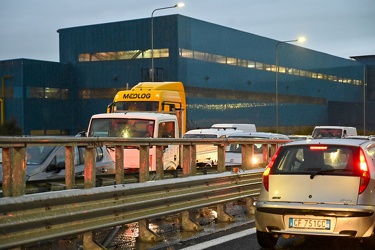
(10, 128)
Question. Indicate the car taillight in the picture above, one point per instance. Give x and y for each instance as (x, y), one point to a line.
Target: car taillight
(266, 172)
(266, 175)
(365, 175)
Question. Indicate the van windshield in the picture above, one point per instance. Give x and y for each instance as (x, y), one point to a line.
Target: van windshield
(35, 155)
(126, 128)
(136, 106)
(327, 133)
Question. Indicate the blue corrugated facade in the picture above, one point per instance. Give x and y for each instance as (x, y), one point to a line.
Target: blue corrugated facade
(229, 76)
(38, 95)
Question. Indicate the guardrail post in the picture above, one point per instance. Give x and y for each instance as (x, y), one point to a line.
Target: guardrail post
(187, 224)
(159, 162)
(222, 215)
(247, 156)
(90, 167)
(193, 159)
(221, 158)
(273, 149)
(250, 208)
(69, 167)
(119, 164)
(145, 234)
(189, 160)
(265, 150)
(88, 242)
(14, 171)
(144, 163)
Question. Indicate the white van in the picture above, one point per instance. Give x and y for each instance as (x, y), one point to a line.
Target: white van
(333, 132)
(243, 127)
(207, 153)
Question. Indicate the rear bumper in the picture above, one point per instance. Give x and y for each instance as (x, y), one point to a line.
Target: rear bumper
(346, 220)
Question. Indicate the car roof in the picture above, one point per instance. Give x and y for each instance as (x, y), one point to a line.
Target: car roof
(134, 114)
(211, 131)
(258, 135)
(333, 127)
(335, 141)
(361, 137)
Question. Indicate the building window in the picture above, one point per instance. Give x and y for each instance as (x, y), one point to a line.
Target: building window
(36, 92)
(123, 55)
(49, 93)
(202, 56)
(107, 93)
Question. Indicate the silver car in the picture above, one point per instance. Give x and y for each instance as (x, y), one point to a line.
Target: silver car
(323, 187)
(48, 162)
(233, 153)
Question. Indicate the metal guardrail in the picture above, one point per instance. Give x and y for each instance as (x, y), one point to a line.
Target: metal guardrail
(43, 216)
(32, 218)
(14, 157)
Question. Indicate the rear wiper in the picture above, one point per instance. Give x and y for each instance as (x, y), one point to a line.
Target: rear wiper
(324, 171)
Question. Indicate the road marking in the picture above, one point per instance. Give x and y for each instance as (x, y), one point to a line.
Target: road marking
(220, 240)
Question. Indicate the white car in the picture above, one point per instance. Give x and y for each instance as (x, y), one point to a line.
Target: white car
(322, 187)
(207, 155)
(233, 154)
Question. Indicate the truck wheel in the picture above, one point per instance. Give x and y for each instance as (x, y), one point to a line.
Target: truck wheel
(266, 240)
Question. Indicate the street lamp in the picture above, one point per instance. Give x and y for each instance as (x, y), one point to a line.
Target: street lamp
(301, 39)
(152, 34)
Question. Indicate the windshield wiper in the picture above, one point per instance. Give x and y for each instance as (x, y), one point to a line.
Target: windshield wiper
(324, 171)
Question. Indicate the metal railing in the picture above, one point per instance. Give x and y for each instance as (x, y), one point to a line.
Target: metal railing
(31, 218)
(34, 218)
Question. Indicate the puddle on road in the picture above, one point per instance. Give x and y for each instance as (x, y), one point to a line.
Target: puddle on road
(168, 227)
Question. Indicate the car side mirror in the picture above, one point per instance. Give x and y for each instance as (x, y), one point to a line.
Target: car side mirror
(60, 166)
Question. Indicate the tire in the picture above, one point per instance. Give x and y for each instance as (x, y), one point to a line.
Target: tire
(171, 166)
(266, 240)
(369, 241)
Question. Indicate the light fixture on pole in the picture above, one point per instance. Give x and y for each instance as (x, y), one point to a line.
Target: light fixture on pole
(152, 34)
(301, 40)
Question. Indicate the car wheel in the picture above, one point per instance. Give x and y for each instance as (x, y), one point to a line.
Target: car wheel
(171, 166)
(370, 241)
(266, 240)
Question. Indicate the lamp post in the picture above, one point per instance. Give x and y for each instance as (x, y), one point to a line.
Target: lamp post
(152, 34)
(301, 39)
(2, 99)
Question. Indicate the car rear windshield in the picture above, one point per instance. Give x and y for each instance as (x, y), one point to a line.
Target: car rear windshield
(307, 159)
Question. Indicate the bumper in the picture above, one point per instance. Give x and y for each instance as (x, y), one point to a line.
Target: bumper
(344, 220)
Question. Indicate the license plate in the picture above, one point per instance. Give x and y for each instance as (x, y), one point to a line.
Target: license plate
(306, 223)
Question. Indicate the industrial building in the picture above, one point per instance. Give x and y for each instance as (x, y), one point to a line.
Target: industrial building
(229, 76)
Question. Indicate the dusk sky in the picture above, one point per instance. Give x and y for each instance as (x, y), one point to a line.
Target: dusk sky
(344, 28)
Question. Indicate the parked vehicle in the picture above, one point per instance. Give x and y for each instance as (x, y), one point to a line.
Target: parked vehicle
(139, 125)
(153, 96)
(322, 187)
(207, 155)
(48, 162)
(300, 137)
(333, 132)
(233, 154)
(244, 127)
